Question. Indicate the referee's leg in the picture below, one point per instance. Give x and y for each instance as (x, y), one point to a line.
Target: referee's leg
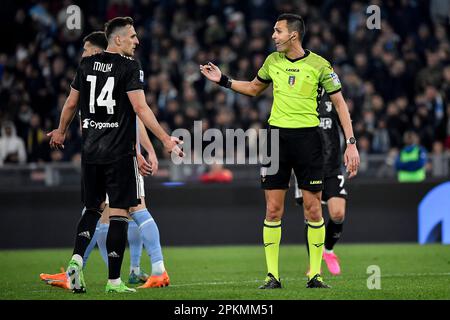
(315, 229)
(272, 234)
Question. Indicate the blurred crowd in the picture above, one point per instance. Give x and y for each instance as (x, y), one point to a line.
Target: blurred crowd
(395, 79)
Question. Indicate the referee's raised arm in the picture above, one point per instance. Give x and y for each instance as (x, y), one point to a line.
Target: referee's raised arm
(250, 88)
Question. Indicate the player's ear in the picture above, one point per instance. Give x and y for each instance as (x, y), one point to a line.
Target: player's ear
(117, 40)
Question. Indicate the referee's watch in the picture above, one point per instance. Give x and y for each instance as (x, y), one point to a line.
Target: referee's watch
(351, 140)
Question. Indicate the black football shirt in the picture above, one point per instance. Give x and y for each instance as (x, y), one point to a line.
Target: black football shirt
(329, 125)
(108, 120)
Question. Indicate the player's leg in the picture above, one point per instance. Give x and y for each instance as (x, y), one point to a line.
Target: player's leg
(336, 208)
(135, 244)
(136, 237)
(91, 245)
(99, 237)
(103, 232)
(61, 279)
(150, 236)
(122, 190)
(94, 195)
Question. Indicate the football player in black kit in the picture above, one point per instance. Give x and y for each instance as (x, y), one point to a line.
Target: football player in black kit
(334, 193)
(108, 88)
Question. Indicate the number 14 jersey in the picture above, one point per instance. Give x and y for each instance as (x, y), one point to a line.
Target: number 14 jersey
(108, 120)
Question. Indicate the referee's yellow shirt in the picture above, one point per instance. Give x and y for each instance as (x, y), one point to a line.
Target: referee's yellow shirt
(297, 84)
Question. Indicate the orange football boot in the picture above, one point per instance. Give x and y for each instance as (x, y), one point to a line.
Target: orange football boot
(60, 280)
(156, 281)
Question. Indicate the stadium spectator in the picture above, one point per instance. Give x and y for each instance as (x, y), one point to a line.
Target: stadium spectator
(37, 141)
(411, 162)
(12, 148)
(392, 73)
(439, 160)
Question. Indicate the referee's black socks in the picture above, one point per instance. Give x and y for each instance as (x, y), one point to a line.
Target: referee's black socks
(333, 233)
(115, 244)
(85, 230)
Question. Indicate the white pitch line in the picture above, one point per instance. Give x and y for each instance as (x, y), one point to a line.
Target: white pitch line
(394, 275)
(221, 283)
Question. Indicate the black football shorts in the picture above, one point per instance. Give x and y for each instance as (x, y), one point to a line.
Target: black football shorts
(119, 179)
(334, 187)
(300, 150)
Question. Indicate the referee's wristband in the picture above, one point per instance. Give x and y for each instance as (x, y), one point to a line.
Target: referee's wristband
(224, 81)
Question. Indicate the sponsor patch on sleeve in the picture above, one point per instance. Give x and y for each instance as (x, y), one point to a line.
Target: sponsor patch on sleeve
(141, 76)
(335, 79)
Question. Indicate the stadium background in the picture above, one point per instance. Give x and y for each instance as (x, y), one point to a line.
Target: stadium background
(394, 79)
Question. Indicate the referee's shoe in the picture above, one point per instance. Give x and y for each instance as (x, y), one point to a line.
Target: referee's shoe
(317, 282)
(271, 283)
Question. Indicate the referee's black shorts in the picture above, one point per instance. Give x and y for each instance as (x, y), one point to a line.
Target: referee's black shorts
(119, 179)
(300, 149)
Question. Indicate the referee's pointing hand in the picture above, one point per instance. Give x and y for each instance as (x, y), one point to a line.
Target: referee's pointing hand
(211, 71)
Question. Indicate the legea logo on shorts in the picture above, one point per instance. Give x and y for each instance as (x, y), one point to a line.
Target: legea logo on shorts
(99, 125)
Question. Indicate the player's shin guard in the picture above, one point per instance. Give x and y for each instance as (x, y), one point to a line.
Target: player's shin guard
(115, 244)
(272, 239)
(135, 244)
(333, 233)
(150, 236)
(85, 230)
(316, 238)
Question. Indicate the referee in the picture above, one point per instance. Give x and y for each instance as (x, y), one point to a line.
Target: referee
(298, 76)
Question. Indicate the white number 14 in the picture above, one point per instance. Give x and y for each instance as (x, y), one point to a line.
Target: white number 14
(105, 99)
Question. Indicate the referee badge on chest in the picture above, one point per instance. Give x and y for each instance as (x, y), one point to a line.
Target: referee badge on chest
(291, 81)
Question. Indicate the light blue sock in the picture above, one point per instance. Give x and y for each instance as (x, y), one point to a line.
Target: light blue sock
(135, 244)
(101, 241)
(91, 245)
(150, 235)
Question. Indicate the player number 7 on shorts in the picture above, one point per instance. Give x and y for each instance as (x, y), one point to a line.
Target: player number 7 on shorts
(105, 99)
(341, 177)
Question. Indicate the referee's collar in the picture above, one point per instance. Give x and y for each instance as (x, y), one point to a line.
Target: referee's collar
(307, 52)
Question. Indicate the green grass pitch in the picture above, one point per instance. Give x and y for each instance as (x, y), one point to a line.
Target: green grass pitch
(408, 271)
